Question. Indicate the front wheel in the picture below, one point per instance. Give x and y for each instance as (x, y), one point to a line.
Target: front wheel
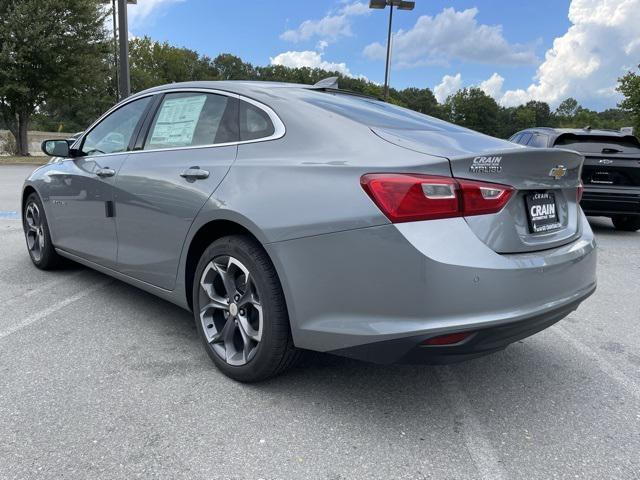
(626, 223)
(36, 232)
(240, 311)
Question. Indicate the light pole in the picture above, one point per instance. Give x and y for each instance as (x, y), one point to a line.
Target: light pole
(381, 5)
(122, 60)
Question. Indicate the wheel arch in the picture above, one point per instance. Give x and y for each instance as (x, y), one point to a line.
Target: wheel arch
(205, 235)
(26, 191)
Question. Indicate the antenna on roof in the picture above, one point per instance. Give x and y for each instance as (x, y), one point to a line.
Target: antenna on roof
(331, 82)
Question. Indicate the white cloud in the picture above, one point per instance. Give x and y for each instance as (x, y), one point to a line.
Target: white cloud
(329, 28)
(453, 35)
(448, 86)
(492, 86)
(585, 63)
(145, 8)
(309, 59)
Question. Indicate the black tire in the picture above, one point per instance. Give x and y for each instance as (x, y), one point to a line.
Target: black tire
(44, 256)
(626, 223)
(275, 351)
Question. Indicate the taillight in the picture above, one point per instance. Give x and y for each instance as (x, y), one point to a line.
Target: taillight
(412, 197)
(580, 192)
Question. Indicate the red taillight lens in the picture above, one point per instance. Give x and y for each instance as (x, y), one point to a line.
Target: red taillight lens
(580, 192)
(402, 197)
(450, 339)
(480, 198)
(412, 197)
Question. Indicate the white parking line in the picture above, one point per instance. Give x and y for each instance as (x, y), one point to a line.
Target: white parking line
(52, 309)
(482, 453)
(607, 367)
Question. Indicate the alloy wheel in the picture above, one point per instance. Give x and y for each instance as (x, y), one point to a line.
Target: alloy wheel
(34, 232)
(230, 310)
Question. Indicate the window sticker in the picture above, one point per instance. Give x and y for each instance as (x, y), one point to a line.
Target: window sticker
(177, 121)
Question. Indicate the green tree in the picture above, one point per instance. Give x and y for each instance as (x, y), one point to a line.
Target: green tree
(49, 49)
(230, 67)
(153, 63)
(419, 99)
(541, 113)
(472, 108)
(629, 86)
(567, 108)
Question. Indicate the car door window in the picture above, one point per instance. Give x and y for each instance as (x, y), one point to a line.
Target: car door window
(538, 141)
(190, 119)
(516, 138)
(524, 139)
(112, 135)
(255, 123)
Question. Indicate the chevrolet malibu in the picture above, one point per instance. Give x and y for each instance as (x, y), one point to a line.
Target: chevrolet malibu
(292, 217)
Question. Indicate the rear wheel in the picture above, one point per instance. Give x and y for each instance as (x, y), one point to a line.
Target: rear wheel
(626, 223)
(36, 232)
(240, 310)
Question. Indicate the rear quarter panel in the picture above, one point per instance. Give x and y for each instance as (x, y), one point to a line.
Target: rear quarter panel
(308, 182)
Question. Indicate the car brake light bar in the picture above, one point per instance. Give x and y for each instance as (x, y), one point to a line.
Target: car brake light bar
(413, 197)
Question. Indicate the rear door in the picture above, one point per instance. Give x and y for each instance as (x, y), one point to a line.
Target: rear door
(180, 159)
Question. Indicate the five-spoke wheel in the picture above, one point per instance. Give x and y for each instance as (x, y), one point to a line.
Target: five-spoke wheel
(36, 232)
(240, 310)
(230, 312)
(33, 230)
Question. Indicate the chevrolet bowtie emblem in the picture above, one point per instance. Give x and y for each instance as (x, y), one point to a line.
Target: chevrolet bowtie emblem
(558, 172)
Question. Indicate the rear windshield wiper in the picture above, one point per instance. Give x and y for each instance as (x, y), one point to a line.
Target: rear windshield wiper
(611, 150)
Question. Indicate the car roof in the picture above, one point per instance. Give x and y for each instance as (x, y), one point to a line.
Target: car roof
(240, 87)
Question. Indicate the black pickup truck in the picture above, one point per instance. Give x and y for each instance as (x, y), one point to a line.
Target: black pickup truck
(611, 172)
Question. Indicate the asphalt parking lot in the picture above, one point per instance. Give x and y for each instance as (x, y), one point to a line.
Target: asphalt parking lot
(101, 380)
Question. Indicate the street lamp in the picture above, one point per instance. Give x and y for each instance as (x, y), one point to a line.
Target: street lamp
(381, 5)
(122, 73)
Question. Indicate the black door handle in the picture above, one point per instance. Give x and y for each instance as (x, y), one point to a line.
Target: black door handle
(194, 173)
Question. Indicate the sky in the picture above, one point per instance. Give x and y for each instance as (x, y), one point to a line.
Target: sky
(544, 50)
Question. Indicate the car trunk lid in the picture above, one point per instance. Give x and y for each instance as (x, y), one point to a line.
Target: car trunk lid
(542, 214)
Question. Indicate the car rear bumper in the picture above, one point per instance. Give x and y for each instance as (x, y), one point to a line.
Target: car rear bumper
(611, 201)
(407, 282)
(481, 342)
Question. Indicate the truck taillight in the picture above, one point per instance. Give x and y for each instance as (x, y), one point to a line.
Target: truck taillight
(412, 197)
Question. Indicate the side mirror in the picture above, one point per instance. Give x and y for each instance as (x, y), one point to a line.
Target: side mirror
(55, 148)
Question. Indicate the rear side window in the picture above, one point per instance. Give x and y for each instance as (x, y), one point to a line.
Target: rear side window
(255, 123)
(524, 139)
(375, 113)
(192, 119)
(538, 141)
(516, 138)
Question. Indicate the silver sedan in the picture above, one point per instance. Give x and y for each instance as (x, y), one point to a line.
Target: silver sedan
(291, 217)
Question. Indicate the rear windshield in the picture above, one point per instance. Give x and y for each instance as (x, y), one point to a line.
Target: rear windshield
(595, 144)
(375, 113)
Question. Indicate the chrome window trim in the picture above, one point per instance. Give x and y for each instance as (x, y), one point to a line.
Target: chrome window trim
(279, 127)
